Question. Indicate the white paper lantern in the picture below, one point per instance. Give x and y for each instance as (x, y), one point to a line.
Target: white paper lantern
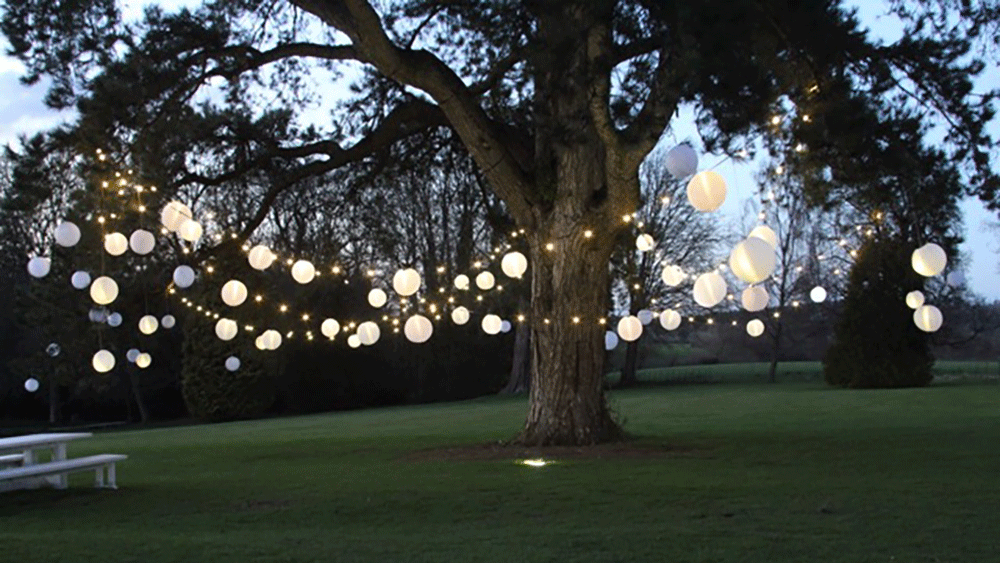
(755, 298)
(630, 328)
(514, 264)
(644, 243)
(234, 293)
(706, 191)
(670, 319)
(406, 282)
(682, 161)
(80, 279)
(142, 241)
(226, 329)
(303, 271)
(369, 333)
(259, 343)
(115, 244)
(492, 324)
(755, 328)
(645, 316)
(956, 279)
(928, 318)
(114, 319)
(505, 326)
(271, 339)
(462, 282)
(174, 214)
(766, 234)
(190, 230)
(39, 266)
(329, 328)
(103, 361)
(183, 276)
(460, 315)
(232, 363)
(709, 289)
(260, 257)
(377, 298)
(673, 275)
(168, 321)
(31, 385)
(67, 234)
(103, 290)
(818, 294)
(610, 340)
(131, 355)
(98, 315)
(914, 299)
(418, 329)
(929, 260)
(148, 324)
(753, 260)
(143, 360)
(354, 341)
(485, 281)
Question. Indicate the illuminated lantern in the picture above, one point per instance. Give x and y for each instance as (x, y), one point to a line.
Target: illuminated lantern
(234, 293)
(462, 282)
(39, 266)
(190, 230)
(505, 326)
(271, 339)
(514, 264)
(929, 260)
(644, 243)
(460, 315)
(67, 234)
(98, 315)
(168, 321)
(260, 257)
(330, 328)
(914, 299)
(492, 324)
(143, 360)
(80, 279)
(369, 333)
(766, 234)
(354, 341)
(956, 279)
(645, 316)
(31, 385)
(259, 343)
(226, 329)
(706, 191)
(131, 355)
(753, 260)
(103, 361)
(232, 363)
(148, 324)
(377, 298)
(183, 276)
(755, 298)
(670, 319)
(928, 318)
(709, 289)
(174, 214)
(115, 244)
(142, 242)
(418, 329)
(682, 161)
(406, 282)
(114, 319)
(485, 281)
(755, 328)
(630, 328)
(818, 294)
(303, 271)
(673, 276)
(103, 290)
(610, 340)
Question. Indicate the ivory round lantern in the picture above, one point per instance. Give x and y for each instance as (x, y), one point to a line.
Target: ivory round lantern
(330, 328)
(755, 328)
(80, 280)
(115, 320)
(706, 191)
(131, 355)
(142, 241)
(104, 290)
(928, 318)
(670, 319)
(31, 385)
(168, 321)
(914, 299)
(645, 316)
(818, 294)
(232, 363)
(183, 276)
(460, 315)
(709, 289)
(754, 298)
(354, 341)
(766, 234)
(259, 343)
(103, 361)
(644, 243)
(190, 230)
(462, 282)
(67, 234)
(630, 328)
(39, 266)
(752, 260)
(492, 324)
(682, 161)
(418, 329)
(234, 293)
(673, 275)
(610, 340)
(143, 360)
(929, 260)
(260, 257)
(148, 324)
(369, 333)
(303, 271)
(514, 264)
(377, 298)
(485, 281)
(271, 339)
(115, 244)
(226, 329)
(406, 282)
(174, 214)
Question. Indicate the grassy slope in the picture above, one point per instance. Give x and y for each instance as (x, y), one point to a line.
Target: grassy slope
(790, 473)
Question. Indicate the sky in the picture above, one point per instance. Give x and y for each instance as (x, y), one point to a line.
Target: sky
(25, 113)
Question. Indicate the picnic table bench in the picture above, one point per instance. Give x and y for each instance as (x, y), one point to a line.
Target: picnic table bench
(23, 470)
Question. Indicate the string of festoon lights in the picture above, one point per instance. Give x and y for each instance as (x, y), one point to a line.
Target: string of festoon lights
(752, 261)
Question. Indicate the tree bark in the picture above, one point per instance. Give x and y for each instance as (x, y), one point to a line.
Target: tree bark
(520, 373)
(53, 400)
(775, 348)
(628, 376)
(137, 395)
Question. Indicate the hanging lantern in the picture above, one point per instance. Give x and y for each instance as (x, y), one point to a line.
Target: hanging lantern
(755, 298)
(354, 341)
(174, 214)
(929, 260)
(31, 385)
(114, 319)
(232, 363)
(610, 340)
(914, 299)
(460, 315)
(673, 275)
(462, 282)
(753, 260)
(670, 319)
(377, 298)
(143, 360)
(271, 339)
(80, 279)
(103, 290)
(259, 343)
(168, 321)
(260, 257)
(645, 316)
(329, 328)
(505, 326)
(682, 161)
(514, 264)
(103, 361)
(709, 289)
(369, 333)
(142, 241)
(766, 234)
(226, 329)
(67, 234)
(190, 230)
(928, 318)
(98, 315)
(706, 191)
(630, 328)
(115, 244)
(406, 282)
(234, 293)
(131, 355)
(492, 324)
(148, 324)
(818, 294)
(418, 329)
(39, 266)
(755, 328)
(485, 281)
(644, 243)
(956, 279)
(183, 276)
(303, 271)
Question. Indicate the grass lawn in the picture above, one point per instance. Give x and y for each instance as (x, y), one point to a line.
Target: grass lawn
(790, 473)
(790, 372)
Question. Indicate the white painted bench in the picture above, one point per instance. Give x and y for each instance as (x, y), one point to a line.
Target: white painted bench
(98, 463)
(11, 459)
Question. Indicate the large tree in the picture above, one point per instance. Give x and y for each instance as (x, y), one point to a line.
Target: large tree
(557, 102)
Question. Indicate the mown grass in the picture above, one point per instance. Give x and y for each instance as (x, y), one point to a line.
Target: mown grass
(787, 473)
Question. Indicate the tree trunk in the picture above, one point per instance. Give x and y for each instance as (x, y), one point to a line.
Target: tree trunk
(772, 376)
(137, 395)
(520, 373)
(53, 401)
(628, 376)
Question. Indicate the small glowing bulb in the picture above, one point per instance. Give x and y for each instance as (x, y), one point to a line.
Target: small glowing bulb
(550, 246)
